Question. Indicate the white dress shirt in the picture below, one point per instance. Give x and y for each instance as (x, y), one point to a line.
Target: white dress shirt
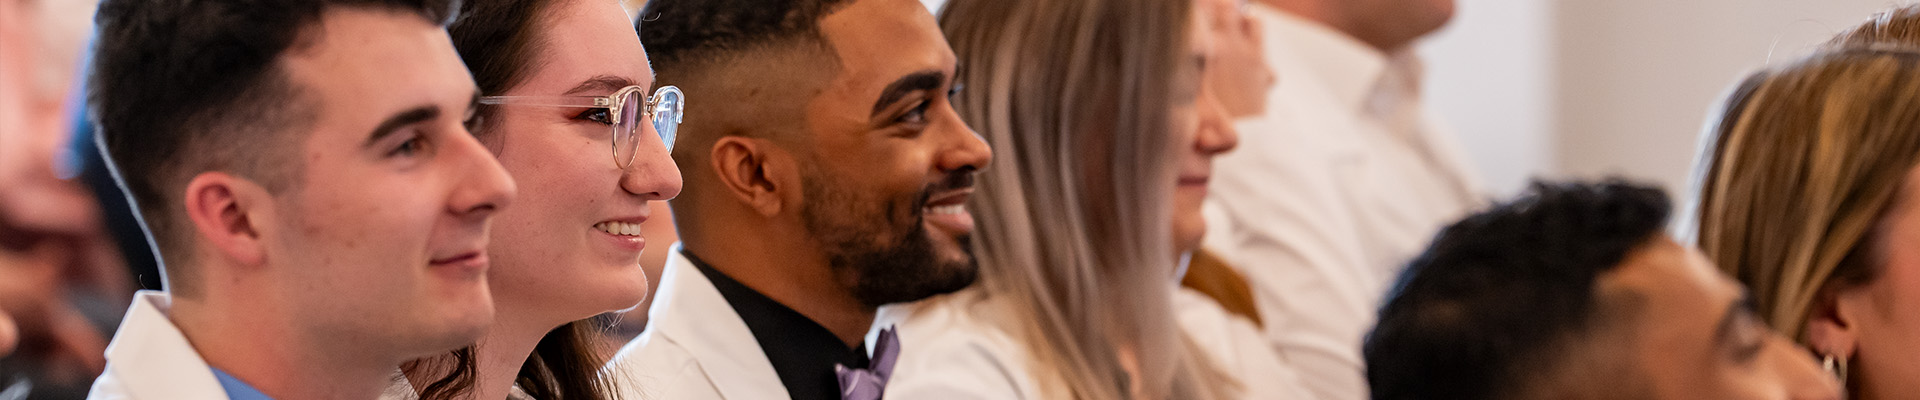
(954, 348)
(695, 346)
(150, 359)
(1330, 193)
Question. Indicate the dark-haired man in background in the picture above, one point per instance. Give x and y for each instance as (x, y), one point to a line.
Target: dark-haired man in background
(1574, 292)
(829, 177)
(305, 171)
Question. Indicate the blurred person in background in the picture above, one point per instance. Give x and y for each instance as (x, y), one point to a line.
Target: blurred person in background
(1238, 77)
(827, 177)
(1340, 181)
(316, 195)
(1573, 291)
(571, 111)
(1809, 192)
(1083, 221)
(61, 279)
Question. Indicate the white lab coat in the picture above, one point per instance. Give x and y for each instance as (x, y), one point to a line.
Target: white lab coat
(695, 346)
(1330, 193)
(1237, 347)
(150, 359)
(951, 349)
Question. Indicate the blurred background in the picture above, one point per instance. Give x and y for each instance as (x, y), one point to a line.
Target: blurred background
(1590, 87)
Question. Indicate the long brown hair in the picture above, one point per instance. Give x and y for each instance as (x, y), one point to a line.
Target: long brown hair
(1075, 96)
(498, 40)
(1800, 170)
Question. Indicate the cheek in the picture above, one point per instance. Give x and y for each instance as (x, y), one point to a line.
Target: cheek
(1896, 298)
(562, 184)
(371, 226)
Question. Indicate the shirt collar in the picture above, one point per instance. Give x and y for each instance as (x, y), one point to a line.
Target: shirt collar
(803, 352)
(236, 389)
(1350, 69)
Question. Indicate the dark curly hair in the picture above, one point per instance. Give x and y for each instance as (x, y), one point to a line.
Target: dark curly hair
(1506, 289)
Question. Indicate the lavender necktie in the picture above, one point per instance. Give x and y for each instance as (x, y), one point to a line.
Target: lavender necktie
(869, 383)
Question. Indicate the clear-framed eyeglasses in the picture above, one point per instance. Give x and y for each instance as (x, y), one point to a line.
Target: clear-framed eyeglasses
(625, 107)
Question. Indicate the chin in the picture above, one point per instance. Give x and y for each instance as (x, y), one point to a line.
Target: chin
(1188, 232)
(619, 291)
(454, 329)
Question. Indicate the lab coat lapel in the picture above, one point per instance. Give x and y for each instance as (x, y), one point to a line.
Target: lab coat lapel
(697, 317)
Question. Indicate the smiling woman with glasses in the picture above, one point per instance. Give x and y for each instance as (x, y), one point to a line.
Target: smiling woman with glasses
(566, 84)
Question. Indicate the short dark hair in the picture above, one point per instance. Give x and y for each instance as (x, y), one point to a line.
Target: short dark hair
(692, 32)
(180, 87)
(1504, 291)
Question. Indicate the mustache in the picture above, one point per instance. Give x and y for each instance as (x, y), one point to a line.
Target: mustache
(956, 180)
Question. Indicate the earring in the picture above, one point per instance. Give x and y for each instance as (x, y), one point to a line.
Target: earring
(1836, 366)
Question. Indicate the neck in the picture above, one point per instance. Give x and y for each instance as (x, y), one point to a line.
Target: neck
(794, 273)
(503, 350)
(256, 341)
(1326, 13)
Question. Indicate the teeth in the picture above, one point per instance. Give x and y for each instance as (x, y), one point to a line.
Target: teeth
(948, 210)
(618, 228)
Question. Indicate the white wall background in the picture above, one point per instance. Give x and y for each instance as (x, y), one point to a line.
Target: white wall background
(1608, 87)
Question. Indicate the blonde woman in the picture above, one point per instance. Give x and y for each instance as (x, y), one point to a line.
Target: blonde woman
(1810, 195)
(1094, 109)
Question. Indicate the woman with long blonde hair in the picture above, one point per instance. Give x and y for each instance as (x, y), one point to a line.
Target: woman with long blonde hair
(1092, 108)
(1808, 193)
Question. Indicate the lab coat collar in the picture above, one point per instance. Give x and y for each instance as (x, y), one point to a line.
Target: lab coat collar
(153, 360)
(690, 312)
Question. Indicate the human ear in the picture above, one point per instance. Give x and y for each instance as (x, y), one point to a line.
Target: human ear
(748, 170)
(1833, 325)
(222, 209)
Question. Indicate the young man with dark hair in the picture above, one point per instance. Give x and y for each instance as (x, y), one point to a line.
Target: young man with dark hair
(305, 171)
(1574, 292)
(830, 179)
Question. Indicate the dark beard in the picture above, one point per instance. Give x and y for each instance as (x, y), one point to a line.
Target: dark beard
(887, 255)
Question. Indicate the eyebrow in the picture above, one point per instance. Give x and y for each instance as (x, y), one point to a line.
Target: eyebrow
(927, 80)
(602, 84)
(403, 119)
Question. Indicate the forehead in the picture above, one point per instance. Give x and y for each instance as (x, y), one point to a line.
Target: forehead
(878, 41)
(362, 65)
(1685, 297)
(588, 38)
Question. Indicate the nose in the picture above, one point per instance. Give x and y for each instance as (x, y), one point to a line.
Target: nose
(967, 149)
(1801, 378)
(652, 175)
(1217, 134)
(485, 186)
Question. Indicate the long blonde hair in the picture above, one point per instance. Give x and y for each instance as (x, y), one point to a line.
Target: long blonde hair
(1800, 169)
(1075, 97)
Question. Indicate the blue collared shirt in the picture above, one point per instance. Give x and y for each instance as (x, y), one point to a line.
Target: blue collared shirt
(237, 390)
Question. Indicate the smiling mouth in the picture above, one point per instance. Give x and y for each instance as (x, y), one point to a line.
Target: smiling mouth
(617, 228)
(951, 209)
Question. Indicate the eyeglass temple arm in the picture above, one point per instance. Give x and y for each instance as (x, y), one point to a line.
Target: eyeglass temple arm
(549, 101)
